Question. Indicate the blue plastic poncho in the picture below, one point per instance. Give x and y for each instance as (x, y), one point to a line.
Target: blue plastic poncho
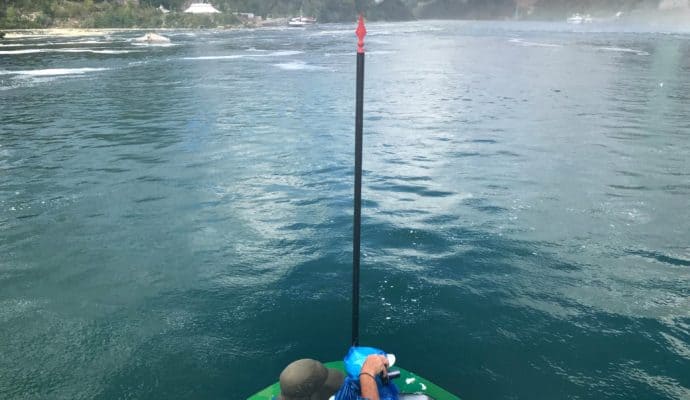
(353, 365)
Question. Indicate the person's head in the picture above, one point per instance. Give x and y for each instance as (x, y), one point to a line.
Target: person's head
(308, 379)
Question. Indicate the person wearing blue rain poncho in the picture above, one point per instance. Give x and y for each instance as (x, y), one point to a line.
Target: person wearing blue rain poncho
(367, 368)
(367, 372)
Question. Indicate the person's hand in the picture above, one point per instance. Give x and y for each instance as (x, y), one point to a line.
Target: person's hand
(375, 364)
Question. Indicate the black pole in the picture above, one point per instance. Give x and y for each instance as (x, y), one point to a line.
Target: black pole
(361, 31)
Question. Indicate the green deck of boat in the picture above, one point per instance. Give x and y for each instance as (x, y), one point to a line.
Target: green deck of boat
(408, 382)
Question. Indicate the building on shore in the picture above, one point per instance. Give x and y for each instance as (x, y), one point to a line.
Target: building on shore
(201, 8)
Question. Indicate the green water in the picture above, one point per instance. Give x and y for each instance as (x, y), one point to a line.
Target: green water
(175, 221)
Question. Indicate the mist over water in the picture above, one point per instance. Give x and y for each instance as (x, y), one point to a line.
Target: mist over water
(175, 222)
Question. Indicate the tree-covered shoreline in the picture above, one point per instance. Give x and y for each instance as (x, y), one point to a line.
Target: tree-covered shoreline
(101, 14)
(34, 14)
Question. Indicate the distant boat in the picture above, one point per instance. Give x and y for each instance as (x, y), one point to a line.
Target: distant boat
(152, 38)
(577, 19)
(301, 21)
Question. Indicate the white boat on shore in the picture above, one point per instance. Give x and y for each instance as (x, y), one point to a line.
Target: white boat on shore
(301, 21)
(577, 19)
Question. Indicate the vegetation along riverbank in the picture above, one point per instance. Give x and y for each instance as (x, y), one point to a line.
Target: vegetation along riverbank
(36, 14)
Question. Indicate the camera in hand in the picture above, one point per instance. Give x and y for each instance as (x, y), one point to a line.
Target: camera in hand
(389, 376)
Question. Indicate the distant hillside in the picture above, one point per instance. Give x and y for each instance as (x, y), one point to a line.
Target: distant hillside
(145, 13)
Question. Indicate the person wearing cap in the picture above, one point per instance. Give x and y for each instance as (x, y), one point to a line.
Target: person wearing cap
(308, 379)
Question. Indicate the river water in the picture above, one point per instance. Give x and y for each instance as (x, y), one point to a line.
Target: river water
(175, 221)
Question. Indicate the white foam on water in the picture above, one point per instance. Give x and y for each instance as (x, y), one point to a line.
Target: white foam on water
(154, 44)
(53, 71)
(624, 50)
(91, 41)
(380, 33)
(112, 51)
(522, 42)
(677, 345)
(102, 42)
(24, 51)
(284, 53)
(53, 43)
(539, 44)
(237, 56)
(74, 50)
(337, 54)
(332, 33)
(298, 66)
(94, 51)
(232, 57)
